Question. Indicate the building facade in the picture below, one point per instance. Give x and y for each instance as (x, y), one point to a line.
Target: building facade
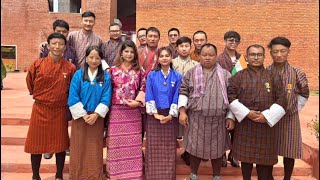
(27, 23)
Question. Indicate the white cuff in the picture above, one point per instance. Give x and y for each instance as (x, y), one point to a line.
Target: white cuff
(77, 111)
(301, 102)
(173, 110)
(182, 101)
(274, 114)
(239, 110)
(104, 64)
(102, 110)
(151, 107)
(230, 115)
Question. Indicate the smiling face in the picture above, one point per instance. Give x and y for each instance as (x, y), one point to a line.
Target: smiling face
(93, 59)
(88, 23)
(255, 56)
(208, 57)
(142, 37)
(57, 46)
(279, 53)
(165, 58)
(232, 43)
(127, 54)
(115, 32)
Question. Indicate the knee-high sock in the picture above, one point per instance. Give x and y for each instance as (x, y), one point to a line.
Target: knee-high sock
(264, 172)
(35, 163)
(60, 159)
(216, 166)
(246, 169)
(288, 167)
(194, 163)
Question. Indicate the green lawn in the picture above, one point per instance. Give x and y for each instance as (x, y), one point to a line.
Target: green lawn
(314, 93)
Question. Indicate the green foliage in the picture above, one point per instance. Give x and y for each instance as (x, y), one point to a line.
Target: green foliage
(314, 125)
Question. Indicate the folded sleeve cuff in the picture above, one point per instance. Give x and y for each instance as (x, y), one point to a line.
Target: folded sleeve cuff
(182, 101)
(274, 114)
(301, 102)
(151, 107)
(230, 115)
(174, 110)
(239, 110)
(77, 111)
(104, 64)
(102, 110)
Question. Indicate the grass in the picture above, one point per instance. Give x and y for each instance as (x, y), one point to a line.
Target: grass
(314, 93)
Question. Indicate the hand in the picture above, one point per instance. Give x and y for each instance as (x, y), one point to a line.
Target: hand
(183, 119)
(230, 124)
(166, 119)
(92, 118)
(253, 114)
(158, 116)
(41, 46)
(85, 117)
(261, 119)
(133, 103)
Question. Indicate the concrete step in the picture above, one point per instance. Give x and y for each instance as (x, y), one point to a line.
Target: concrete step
(14, 159)
(50, 176)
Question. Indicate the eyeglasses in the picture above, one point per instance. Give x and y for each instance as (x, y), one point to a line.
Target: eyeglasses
(253, 55)
(114, 31)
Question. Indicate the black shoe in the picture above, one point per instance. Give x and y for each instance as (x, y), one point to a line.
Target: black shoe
(47, 155)
(233, 161)
(68, 152)
(186, 158)
(224, 161)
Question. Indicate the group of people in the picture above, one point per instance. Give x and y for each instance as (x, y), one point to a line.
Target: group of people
(165, 93)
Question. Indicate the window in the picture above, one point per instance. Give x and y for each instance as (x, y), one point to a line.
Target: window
(66, 6)
(9, 56)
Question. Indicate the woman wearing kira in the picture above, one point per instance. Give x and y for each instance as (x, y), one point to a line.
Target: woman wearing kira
(89, 102)
(162, 91)
(125, 125)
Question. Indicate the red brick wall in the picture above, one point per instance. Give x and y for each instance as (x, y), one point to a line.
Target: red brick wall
(256, 21)
(25, 24)
(28, 23)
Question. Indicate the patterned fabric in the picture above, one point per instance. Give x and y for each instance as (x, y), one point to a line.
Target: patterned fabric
(183, 65)
(125, 84)
(81, 41)
(86, 150)
(206, 137)
(69, 54)
(140, 48)
(289, 138)
(195, 55)
(225, 61)
(48, 82)
(257, 90)
(174, 51)
(161, 148)
(124, 157)
(148, 59)
(212, 92)
(111, 50)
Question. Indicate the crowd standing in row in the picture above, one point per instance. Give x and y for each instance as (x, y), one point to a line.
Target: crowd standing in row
(146, 90)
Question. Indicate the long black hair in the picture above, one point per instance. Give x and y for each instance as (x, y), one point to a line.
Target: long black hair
(100, 74)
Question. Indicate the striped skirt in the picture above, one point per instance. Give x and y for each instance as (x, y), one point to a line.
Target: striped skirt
(86, 150)
(124, 143)
(289, 136)
(206, 137)
(161, 148)
(48, 130)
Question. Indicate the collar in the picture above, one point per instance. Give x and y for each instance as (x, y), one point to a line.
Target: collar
(165, 76)
(92, 76)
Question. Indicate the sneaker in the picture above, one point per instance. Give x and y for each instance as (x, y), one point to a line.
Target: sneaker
(216, 177)
(193, 177)
(47, 155)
